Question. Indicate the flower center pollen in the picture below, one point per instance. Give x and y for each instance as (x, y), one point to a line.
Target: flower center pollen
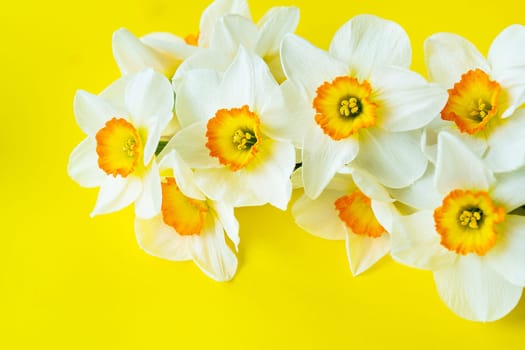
(344, 106)
(473, 102)
(349, 107)
(119, 147)
(467, 221)
(234, 137)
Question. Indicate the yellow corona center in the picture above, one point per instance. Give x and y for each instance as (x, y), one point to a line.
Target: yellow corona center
(185, 215)
(234, 137)
(119, 147)
(473, 102)
(356, 212)
(467, 220)
(192, 39)
(343, 107)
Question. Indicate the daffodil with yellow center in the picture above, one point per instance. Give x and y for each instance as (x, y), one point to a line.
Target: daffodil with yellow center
(465, 231)
(123, 125)
(190, 226)
(343, 107)
(358, 104)
(234, 135)
(486, 95)
(343, 211)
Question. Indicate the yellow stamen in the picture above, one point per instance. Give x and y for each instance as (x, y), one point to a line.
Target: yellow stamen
(473, 102)
(234, 137)
(467, 222)
(355, 210)
(119, 147)
(344, 106)
(185, 215)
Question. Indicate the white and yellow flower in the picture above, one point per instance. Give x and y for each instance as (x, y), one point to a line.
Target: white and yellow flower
(164, 52)
(233, 134)
(485, 95)
(465, 231)
(123, 126)
(232, 30)
(353, 208)
(190, 226)
(359, 103)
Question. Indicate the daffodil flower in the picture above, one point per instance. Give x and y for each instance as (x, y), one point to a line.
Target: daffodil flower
(264, 38)
(123, 126)
(353, 208)
(190, 226)
(465, 231)
(164, 52)
(233, 135)
(359, 103)
(485, 95)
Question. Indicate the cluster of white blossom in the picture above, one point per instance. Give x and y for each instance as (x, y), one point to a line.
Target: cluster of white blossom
(431, 172)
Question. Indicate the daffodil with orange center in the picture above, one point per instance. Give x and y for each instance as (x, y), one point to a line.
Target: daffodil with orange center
(358, 104)
(343, 211)
(190, 226)
(486, 95)
(233, 134)
(123, 125)
(465, 231)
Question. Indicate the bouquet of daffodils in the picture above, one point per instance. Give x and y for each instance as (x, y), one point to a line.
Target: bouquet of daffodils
(239, 114)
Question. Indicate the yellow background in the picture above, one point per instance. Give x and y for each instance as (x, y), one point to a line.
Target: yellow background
(68, 281)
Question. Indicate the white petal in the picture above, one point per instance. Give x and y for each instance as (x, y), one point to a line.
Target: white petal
(149, 202)
(190, 143)
(182, 173)
(406, 101)
(116, 193)
(506, 150)
(133, 56)
(213, 59)
(216, 10)
(416, 243)
(149, 99)
(384, 213)
(368, 184)
(474, 291)
(509, 190)
(513, 83)
(288, 121)
(508, 49)
(83, 164)
(273, 26)
(319, 216)
(323, 157)
(421, 194)
(363, 251)
(457, 167)
(115, 94)
(238, 87)
(92, 112)
(507, 257)
(160, 240)
(308, 66)
(265, 180)
(212, 255)
(367, 42)
(169, 44)
(232, 31)
(226, 216)
(448, 56)
(395, 159)
(197, 96)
